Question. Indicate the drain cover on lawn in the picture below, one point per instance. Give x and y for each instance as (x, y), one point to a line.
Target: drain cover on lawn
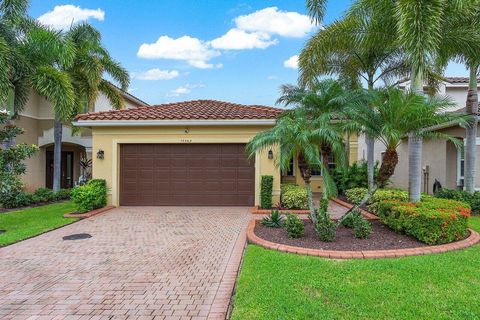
(77, 236)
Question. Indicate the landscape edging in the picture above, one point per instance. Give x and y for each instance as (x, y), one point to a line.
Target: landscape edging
(472, 239)
(88, 214)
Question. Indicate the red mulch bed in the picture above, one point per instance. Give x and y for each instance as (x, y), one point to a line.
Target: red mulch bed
(382, 238)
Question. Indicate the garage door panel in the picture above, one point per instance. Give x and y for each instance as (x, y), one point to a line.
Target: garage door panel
(186, 174)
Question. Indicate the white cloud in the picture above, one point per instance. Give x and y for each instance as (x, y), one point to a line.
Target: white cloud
(186, 89)
(63, 16)
(156, 74)
(196, 52)
(236, 39)
(291, 62)
(273, 21)
(273, 78)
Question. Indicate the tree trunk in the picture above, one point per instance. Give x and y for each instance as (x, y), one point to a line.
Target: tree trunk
(415, 149)
(370, 162)
(325, 152)
(414, 167)
(370, 149)
(306, 173)
(57, 155)
(471, 132)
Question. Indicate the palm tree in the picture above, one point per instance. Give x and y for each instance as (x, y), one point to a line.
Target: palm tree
(391, 115)
(359, 47)
(316, 10)
(297, 135)
(467, 20)
(89, 64)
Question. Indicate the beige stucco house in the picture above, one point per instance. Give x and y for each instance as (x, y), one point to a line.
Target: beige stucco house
(441, 161)
(187, 153)
(37, 120)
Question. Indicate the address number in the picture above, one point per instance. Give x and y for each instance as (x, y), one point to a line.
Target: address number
(186, 140)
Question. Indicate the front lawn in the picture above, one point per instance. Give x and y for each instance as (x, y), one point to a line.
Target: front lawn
(26, 223)
(274, 285)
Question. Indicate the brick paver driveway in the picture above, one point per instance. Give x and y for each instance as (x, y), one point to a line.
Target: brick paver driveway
(142, 262)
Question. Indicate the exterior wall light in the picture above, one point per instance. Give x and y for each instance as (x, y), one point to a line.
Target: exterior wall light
(270, 154)
(100, 154)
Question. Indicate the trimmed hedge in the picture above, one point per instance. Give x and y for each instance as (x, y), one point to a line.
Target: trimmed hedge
(432, 220)
(356, 195)
(90, 196)
(40, 196)
(473, 200)
(266, 190)
(294, 197)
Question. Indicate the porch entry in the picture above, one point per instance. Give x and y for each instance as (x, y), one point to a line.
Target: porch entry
(66, 176)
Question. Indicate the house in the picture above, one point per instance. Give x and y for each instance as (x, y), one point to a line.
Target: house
(441, 161)
(186, 153)
(37, 120)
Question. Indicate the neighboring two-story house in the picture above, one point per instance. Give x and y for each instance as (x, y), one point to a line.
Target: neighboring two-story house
(37, 120)
(441, 161)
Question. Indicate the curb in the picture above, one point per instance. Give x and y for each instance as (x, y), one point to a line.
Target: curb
(472, 239)
(88, 214)
(366, 214)
(257, 210)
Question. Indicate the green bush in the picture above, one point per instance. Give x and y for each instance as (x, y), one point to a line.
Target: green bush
(294, 197)
(43, 195)
(294, 226)
(472, 199)
(349, 220)
(274, 220)
(62, 194)
(325, 227)
(362, 227)
(355, 195)
(90, 196)
(266, 189)
(432, 220)
(354, 176)
(18, 199)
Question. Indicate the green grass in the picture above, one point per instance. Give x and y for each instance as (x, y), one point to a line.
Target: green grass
(274, 285)
(23, 224)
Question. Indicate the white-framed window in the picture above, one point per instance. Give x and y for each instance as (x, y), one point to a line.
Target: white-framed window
(331, 165)
(460, 166)
(291, 169)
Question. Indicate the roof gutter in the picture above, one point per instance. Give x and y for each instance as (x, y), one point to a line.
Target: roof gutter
(154, 123)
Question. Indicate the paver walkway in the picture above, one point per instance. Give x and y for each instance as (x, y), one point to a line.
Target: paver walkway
(142, 262)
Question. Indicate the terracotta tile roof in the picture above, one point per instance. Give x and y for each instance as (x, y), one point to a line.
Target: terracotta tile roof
(188, 110)
(458, 79)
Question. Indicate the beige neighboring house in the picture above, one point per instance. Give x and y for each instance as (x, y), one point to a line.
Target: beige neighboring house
(37, 120)
(441, 161)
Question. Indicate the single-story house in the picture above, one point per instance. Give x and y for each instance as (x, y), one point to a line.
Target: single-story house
(186, 153)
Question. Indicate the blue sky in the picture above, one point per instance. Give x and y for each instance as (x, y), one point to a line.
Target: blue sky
(197, 49)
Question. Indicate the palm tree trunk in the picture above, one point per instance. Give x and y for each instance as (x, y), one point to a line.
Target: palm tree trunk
(471, 132)
(415, 150)
(370, 150)
(370, 162)
(306, 173)
(57, 154)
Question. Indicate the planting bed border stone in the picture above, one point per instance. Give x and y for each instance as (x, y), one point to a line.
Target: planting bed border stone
(88, 214)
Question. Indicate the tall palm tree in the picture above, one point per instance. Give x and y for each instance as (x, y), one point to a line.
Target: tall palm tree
(391, 115)
(297, 135)
(359, 47)
(316, 10)
(91, 61)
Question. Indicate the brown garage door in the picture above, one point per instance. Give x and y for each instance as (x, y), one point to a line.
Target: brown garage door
(186, 175)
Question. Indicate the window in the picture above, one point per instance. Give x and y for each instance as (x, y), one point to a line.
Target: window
(460, 166)
(331, 165)
(290, 172)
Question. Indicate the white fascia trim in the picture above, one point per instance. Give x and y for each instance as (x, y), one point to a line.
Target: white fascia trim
(150, 123)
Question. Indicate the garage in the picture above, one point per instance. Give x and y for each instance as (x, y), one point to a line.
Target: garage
(186, 174)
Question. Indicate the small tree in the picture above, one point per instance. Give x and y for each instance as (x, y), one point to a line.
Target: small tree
(11, 160)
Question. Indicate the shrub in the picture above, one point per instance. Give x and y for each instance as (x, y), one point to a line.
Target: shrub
(18, 199)
(348, 221)
(472, 199)
(432, 220)
(325, 227)
(294, 226)
(90, 196)
(362, 227)
(294, 197)
(62, 194)
(43, 195)
(266, 189)
(274, 220)
(354, 176)
(356, 195)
